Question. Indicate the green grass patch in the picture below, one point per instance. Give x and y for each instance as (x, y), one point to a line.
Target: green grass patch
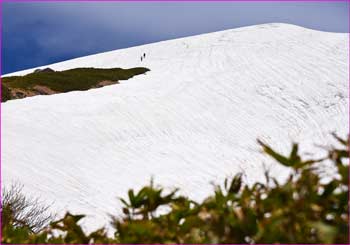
(68, 80)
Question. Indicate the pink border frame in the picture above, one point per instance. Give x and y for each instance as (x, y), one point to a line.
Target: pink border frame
(1, 1)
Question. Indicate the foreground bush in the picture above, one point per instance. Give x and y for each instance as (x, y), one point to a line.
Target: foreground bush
(19, 211)
(302, 210)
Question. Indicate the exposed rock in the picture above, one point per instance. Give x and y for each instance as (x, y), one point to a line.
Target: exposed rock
(17, 93)
(105, 83)
(43, 70)
(43, 90)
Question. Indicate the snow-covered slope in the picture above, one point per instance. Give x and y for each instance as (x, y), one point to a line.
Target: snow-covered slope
(193, 119)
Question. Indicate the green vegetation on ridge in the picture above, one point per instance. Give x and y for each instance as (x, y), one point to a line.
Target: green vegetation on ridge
(50, 82)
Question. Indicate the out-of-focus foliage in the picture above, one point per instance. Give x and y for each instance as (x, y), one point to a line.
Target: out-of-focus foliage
(303, 209)
(20, 210)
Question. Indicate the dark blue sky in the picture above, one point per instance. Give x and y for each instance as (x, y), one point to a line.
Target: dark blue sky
(40, 33)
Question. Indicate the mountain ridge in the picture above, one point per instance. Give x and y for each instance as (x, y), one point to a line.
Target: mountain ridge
(243, 28)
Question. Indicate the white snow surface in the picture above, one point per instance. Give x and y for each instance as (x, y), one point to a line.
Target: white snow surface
(192, 120)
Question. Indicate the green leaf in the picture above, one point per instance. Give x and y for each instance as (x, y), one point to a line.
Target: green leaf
(235, 184)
